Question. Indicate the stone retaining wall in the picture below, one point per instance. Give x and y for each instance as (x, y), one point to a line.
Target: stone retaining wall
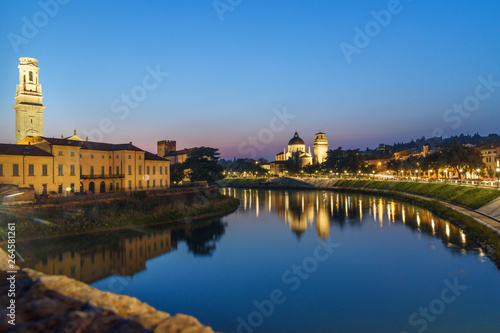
(50, 303)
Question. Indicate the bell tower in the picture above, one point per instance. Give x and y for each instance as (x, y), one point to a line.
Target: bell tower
(320, 146)
(29, 106)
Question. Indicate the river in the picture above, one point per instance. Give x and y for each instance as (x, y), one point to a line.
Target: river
(294, 261)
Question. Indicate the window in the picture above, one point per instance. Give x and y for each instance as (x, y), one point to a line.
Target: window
(166, 171)
(92, 170)
(154, 170)
(117, 187)
(129, 184)
(154, 183)
(44, 170)
(60, 153)
(72, 170)
(102, 170)
(161, 170)
(129, 169)
(72, 187)
(102, 156)
(1, 170)
(147, 170)
(147, 183)
(129, 157)
(110, 171)
(72, 153)
(117, 170)
(109, 157)
(140, 184)
(117, 156)
(161, 182)
(91, 156)
(60, 170)
(140, 169)
(31, 170)
(81, 170)
(59, 190)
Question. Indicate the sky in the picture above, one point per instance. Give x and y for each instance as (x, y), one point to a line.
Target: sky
(244, 75)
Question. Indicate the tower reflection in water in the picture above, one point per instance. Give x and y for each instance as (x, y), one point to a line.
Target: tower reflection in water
(94, 257)
(300, 210)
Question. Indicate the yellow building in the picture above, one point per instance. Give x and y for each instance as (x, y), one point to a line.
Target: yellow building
(64, 165)
(69, 165)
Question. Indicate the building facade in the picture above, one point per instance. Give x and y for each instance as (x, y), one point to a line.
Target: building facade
(64, 165)
(70, 165)
(297, 150)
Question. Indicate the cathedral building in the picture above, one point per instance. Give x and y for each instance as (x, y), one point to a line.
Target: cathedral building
(69, 165)
(297, 150)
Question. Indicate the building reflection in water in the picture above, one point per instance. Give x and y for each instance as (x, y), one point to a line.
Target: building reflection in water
(124, 253)
(94, 257)
(300, 210)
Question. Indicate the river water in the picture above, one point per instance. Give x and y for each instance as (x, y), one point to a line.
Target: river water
(295, 261)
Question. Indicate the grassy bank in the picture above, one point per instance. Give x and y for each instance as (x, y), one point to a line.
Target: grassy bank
(483, 235)
(137, 210)
(471, 197)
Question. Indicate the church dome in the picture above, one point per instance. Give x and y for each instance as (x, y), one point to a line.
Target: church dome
(296, 140)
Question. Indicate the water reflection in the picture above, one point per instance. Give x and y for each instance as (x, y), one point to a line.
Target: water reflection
(124, 253)
(92, 258)
(300, 210)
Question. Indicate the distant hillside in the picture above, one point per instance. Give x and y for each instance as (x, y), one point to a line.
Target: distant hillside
(386, 150)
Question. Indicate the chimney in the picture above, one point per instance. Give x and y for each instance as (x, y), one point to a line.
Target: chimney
(74, 132)
(87, 138)
(62, 136)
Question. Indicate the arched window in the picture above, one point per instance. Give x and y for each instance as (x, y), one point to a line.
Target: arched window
(31, 76)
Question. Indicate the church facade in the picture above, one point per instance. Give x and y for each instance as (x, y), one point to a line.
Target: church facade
(69, 165)
(296, 150)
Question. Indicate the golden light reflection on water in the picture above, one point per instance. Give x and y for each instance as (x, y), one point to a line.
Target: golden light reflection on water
(303, 209)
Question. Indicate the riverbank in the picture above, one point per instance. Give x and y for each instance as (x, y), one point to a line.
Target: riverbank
(470, 197)
(53, 303)
(137, 209)
(458, 204)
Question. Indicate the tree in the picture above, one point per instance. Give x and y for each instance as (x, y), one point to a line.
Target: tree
(203, 164)
(177, 172)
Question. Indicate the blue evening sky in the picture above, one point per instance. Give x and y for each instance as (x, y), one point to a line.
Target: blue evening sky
(226, 76)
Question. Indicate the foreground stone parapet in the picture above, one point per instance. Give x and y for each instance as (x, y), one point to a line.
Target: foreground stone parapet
(49, 303)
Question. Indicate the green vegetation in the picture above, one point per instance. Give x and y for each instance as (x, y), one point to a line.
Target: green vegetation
(471, 227)
(471, 197)
(36, 223)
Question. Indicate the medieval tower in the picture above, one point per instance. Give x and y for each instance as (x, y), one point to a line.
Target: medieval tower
(29, 106)
(320, 146)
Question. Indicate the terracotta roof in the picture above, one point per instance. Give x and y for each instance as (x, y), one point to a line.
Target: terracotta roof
(13, 149)
(153, 157)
